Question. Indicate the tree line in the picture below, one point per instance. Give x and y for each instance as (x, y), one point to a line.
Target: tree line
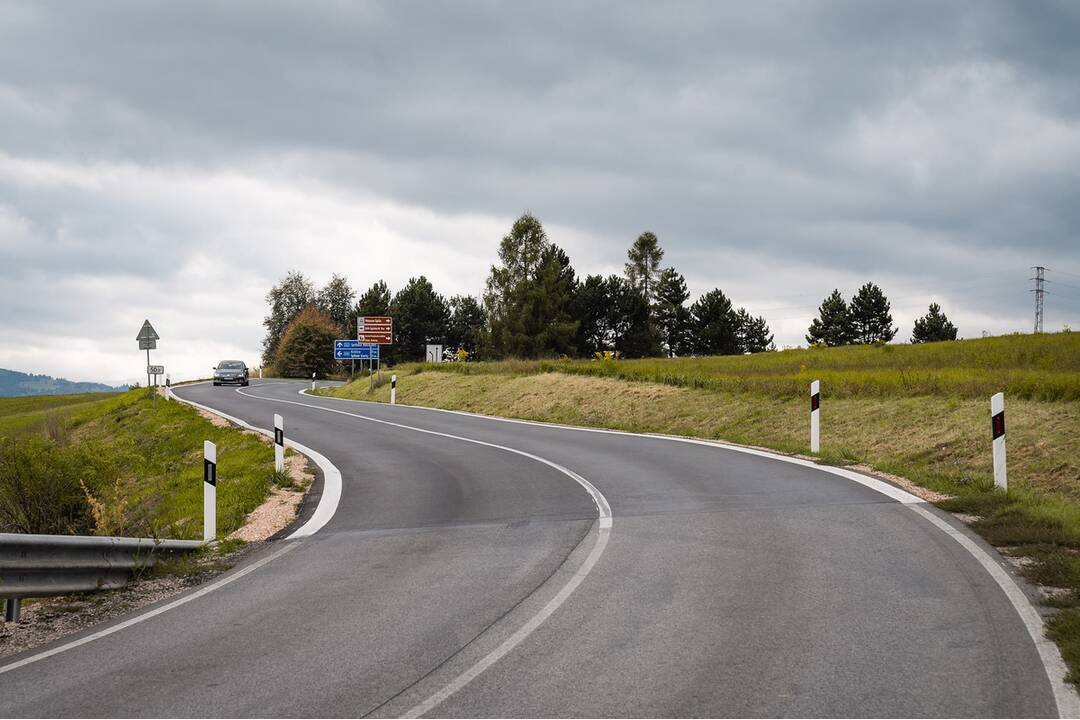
(868, 320)
(534, 305)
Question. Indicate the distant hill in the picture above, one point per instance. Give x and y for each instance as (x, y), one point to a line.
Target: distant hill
(17, 384)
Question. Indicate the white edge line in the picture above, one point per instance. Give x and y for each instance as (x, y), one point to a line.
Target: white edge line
(331, 494)
(602, 507)
(147, 615)
(1066, 699)
(523, 632)
(873, 483)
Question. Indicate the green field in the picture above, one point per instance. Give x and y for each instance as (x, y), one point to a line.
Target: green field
(120, 465)
(918, 411)
(1029, 367)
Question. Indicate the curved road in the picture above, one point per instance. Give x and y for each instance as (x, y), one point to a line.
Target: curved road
(475, 578)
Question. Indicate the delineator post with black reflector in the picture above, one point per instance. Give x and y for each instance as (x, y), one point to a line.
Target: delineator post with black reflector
(997, 433)
(815, 416)
(209, 491)
(279, 443)
(393, 389)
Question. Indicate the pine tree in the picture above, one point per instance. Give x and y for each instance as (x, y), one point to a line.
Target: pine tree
(632, 331)
(374, 303)
(336, 300)
(286, 300)
(529, 296)
(870, 317)
(420, 317)
(933, 327)
(714, 324)
(833, 326)
(670, 314)
(591, 306)
(643, 270)
(751, 333)
(466, 324)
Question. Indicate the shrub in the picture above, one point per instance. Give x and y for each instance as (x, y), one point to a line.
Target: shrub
(40, 488)
(307, 345)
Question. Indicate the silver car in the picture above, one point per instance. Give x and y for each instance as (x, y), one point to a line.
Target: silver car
(231, 371)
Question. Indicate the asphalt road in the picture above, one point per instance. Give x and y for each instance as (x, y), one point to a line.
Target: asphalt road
(728, 584)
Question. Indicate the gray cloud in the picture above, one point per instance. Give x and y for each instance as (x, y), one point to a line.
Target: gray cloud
(931, 146)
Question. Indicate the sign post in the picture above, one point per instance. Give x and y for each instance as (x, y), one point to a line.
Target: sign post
(148, 338)
(997, 432)
(376, 330)
(815, 413)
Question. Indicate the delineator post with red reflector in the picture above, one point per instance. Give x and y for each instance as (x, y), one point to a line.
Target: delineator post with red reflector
(997, 433)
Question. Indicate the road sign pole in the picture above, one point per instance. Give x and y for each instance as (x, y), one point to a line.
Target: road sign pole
(148, 388)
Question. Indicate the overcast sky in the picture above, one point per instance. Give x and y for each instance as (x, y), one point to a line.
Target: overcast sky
(173, 160)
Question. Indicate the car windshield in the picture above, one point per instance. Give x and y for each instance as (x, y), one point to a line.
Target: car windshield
(231, 365)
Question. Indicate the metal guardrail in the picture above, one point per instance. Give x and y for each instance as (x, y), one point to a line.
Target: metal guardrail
(41, 565)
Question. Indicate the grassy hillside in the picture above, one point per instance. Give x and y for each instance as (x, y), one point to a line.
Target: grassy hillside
(1032, 367)
(120, 465)
(921, 412)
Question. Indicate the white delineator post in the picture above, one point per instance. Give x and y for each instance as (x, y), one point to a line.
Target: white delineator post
(815, 416)
(209, 491)
(279, 443)
(997, 428)
(312, 381)
(393, 389)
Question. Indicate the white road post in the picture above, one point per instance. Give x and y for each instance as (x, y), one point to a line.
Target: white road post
(997, 429)
(312, 381)
(209, 491)
(815, 416)
(393, 389)
(279, 443)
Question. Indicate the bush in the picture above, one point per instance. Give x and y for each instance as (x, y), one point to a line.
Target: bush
(307, 345)
(41, 489)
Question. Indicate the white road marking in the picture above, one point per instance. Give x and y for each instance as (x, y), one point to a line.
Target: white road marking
(514, 640)
(602, 506)
(331, 495)
(880, 486)
(1067, 699)
(1068, 703)
(604, 523)
(147, 615)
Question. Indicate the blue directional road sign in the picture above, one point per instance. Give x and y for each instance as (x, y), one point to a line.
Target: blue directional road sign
(355, 350)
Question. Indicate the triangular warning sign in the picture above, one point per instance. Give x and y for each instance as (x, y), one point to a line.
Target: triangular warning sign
(147, 332)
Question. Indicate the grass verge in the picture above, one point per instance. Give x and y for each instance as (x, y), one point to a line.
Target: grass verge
(122, 465)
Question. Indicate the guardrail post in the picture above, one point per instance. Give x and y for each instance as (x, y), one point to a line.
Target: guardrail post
(279, 443)
(209, 491)
(997, 432)
(393, 389)
(11, 609)
(815, 419)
